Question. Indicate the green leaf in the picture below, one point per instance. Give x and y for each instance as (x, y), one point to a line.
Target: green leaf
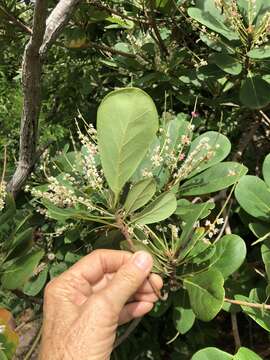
(160, 209)
(265, 250)
(261, 317)
(185, 208)
(230, 254)
(262, 52)
(254, 197)
(183, 319)
(246, 354)
(3, 356)
(254, 92)
(10, 209)
(227, 63)
(127, 122)
(190, 221)
(139, 195)
(34, 285)
(210, 21)
(217, 142)
(211, 353)
(183, 315)
(266, 170)
(21, 270)
(260, 230)
(218, 177)
(22, 241)
(206, 293)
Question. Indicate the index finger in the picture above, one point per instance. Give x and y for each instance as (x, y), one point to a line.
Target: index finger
(93, 266)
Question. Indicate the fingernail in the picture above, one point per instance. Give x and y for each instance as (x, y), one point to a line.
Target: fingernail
(142, 260)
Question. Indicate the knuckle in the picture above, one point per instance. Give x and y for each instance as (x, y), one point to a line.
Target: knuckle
(50, 288)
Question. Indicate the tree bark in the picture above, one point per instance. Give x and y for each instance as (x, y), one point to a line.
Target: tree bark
(44, 33)
(31, 82)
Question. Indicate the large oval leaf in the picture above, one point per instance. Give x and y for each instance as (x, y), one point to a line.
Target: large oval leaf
(127, 121)
(230, 254)
(266, 170)
(265, 250)
(254, 92)
(217, 143)
(218, 177)
(261, 317)
(227, 63)
(210, 20)
(211, 353)
(254, 197)
(21, 270)
(262, 52)
(34, 285)
(206, 293)
(140, 194)
(245, 354)
(160, 209)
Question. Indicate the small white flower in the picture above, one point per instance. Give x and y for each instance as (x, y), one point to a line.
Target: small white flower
(2, 329)
(220, 221)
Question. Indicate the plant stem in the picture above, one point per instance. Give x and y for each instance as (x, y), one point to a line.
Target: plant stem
(4, 165)
(34, 345)
(249, 304)
(126, 334)
(235, 330)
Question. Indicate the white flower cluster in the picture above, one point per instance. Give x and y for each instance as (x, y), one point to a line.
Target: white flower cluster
(194, 161)
(2, 329)
(91, 174)
(57, 194)
(213, 230)
(3, 194)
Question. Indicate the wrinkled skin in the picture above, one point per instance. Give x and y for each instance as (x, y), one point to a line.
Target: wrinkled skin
(84, 306)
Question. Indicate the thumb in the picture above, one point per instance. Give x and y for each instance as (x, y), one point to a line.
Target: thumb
(129, 278)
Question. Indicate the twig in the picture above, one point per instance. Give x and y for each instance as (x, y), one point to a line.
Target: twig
(226, 226)
(152, 22)
(31, 79)
(108, 49)
(31, 299)
(265, 117)
(129, 330)
(4, 165)
(34, 345)
(249, 304)
(16, 21)
(235, 330)
(118, 13)
(44, 33)
(56, 22)
(33, 318)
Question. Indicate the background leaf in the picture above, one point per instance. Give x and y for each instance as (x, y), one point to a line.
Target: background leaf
(266, 170)
(253, 196)
(254, 92)
(219, 143)
(206, 293)
(218, 177)
(230, 254)
(21, 270)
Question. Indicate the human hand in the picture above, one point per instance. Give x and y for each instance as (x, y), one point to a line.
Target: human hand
(84, 306)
